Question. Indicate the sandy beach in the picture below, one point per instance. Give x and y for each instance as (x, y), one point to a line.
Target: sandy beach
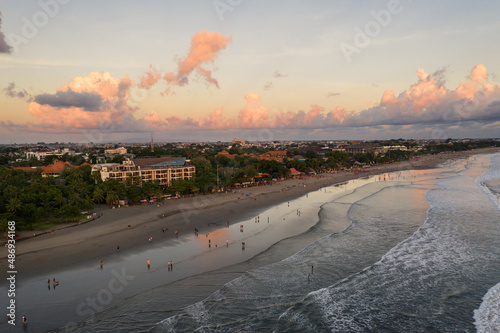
(131, 227)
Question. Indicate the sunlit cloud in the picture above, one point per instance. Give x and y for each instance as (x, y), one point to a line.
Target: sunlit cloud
(204, 50)
(88, 102)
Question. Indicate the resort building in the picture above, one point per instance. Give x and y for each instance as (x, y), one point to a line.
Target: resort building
(162, 170)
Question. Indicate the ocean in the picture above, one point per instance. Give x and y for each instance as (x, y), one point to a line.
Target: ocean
(420, 252)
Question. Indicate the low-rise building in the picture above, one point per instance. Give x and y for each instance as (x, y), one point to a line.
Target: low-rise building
(116, 151)
(53, 169)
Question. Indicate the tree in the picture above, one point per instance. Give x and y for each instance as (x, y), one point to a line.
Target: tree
(249, 171)
(14, 205)
(310, 154)
(111, 198)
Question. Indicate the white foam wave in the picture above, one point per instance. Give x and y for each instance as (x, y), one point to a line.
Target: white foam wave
(493, 173)
(487, 317)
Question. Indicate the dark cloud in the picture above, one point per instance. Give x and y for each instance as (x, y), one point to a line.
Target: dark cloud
(268, 85)
(440, 75)
(278, 75)
(10, 91)
(66, 99)
(332, 94)
(4, 47)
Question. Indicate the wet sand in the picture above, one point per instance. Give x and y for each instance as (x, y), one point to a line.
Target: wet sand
(131, 227)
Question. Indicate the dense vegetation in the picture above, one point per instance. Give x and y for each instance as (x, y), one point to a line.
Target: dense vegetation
(34, 201)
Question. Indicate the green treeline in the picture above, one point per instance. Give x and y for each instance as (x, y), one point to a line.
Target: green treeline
(37, 202)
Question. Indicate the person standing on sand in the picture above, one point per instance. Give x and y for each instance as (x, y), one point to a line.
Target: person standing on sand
(102, 263)
(149, 263)
(312, 269)
(25, 320)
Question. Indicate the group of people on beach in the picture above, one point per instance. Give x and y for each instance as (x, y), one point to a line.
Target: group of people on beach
(54, 283)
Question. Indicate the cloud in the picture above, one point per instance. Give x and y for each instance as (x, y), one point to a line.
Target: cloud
(268, 85)
(96, 101)
(252, 98)
(205, 48)
(67, 99)
(253, 115)
(332, 94)
(150, 78)
(10, 91)
(100, 101)
(4, 47)
(278, 75)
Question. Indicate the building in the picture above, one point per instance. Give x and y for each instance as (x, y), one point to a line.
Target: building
(225, 153)
(117, 151)
(239, 142)
(41, 155)
(359, 148)
(273, 155)
(294, 173)
(162, 170)
(53, 169)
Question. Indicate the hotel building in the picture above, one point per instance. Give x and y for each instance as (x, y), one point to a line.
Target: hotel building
(162, 170)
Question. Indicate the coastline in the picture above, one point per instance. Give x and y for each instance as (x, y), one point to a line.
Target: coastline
(130, 227)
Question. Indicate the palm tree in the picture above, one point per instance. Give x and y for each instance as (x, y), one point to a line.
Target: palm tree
(14, 205)
(96, 176)
(111, 198)
(98, 194)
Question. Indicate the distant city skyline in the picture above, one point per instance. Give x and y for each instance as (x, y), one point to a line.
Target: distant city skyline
(91, 71)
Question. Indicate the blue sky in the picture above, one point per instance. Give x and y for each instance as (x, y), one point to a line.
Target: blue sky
(288, 53)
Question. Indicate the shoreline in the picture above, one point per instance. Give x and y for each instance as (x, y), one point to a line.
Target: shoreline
(130, 227)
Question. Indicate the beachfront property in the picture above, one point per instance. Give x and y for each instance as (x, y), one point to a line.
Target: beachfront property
(162, 170)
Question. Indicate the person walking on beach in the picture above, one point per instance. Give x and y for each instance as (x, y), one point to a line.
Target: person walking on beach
(312, 269)
(309, 278)
(102, 263)
(25, 320)
(149, 263)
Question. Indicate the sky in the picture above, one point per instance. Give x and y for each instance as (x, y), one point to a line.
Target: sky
(215, 70)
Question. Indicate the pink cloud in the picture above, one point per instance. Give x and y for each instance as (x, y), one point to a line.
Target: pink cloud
(253, 115)
(150, 78)
(99, 98)
(427, 91)
(252, 98)
(113, 107)
(205, 48)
